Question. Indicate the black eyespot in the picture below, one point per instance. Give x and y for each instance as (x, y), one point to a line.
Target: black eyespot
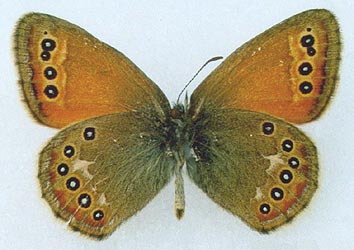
(48, 44)
(51, 91)
(45, 55)
(305, 69)
(264, 208)
(69, 151)
(277, 194)
(63, 169)
(305, 87)
(268, 128)
(308, 29)
(294, 162)
(84, 200)
(89, 133)
(98, 215)
(307, 41)
(73, 183)
(50, 73)
(286, 176)
(311, 51)
(287, 145)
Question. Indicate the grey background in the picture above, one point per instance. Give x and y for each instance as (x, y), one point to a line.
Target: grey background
(169, 40)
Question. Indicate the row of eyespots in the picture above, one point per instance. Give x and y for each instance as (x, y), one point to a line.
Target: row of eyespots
(307, 41)
(276, 194)
(287, 145)
(84, 199)
(285, 176)
(268, 129)
(73, 183)
(88, 134)
(51, 91)
(48, 45)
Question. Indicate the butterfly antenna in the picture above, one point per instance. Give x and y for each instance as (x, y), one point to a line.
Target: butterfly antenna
(205, 64)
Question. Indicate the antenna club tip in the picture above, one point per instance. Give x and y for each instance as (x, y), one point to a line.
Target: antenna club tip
(216, 58)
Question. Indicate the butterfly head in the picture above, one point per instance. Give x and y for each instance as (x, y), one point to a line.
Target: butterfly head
(177, 111)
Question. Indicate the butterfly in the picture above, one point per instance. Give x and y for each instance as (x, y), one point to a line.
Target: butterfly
(121, 142)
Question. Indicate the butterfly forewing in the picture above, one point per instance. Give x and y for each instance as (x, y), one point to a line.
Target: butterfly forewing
(257, 167)
(99, 172)
(288, 71)
(67, 75)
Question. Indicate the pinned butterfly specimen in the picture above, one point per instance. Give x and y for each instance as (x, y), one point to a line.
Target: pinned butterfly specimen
(121, 142)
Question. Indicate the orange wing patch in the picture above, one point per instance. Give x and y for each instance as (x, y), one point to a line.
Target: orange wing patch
(68, 75)
(288, 71)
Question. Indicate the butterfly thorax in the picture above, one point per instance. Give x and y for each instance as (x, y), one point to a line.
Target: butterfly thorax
(177, 133)
(186, 134)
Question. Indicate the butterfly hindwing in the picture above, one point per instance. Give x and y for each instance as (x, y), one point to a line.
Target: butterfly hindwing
(289, 71)
(259, 168)
(99, 172)
(67, 75)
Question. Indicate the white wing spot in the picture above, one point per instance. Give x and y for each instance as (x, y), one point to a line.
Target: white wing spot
(275, 161)
(81, 165)
(259, 194)
(102, 200)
